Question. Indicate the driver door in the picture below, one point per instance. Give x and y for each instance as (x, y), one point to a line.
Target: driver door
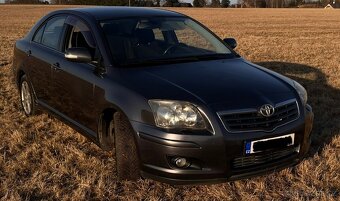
(73, 83)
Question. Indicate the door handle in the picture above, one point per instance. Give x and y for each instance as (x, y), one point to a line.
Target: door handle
(56, 67)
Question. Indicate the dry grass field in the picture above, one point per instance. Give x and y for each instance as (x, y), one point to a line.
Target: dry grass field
(43, 159)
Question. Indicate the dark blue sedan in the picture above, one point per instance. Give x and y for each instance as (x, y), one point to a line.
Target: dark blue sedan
(172, 100)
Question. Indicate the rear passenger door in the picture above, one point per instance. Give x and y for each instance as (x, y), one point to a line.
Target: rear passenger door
(73, 83)
(45, 49)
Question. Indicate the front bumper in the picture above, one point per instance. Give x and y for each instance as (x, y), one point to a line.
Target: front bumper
(212, 156)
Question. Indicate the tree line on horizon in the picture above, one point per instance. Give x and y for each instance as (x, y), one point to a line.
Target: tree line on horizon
(283, 3)
(179, 3)
(147, 3)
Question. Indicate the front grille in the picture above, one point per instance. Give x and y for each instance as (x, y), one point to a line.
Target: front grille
(252, 120)
(263, 158)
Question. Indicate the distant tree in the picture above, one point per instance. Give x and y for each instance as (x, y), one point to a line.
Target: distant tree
(215, 3)
(60, 2)
(299, 2)
(195, 3)
(261, 3)
(199, 3)
(171, 3)
(106, 2)
(149, 3)
(26, 1)
(225, 3)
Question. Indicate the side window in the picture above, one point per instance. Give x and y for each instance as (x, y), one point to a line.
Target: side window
(52, 32)
(79, 35)
(38, 34)
(158, 34)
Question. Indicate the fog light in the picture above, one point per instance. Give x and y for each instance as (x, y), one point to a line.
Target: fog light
(181, 162)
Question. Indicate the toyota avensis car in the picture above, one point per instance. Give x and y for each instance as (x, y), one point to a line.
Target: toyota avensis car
(172, 100)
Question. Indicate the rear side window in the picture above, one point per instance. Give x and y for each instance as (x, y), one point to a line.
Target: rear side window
(38, 35)
(52, 32)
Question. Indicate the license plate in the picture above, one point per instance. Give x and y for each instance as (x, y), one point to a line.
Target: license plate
(269, 143)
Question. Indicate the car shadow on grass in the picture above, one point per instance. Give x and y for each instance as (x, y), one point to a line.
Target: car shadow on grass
(321, 96)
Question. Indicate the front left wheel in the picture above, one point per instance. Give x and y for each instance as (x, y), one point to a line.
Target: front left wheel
(127, 159)
(26, 97)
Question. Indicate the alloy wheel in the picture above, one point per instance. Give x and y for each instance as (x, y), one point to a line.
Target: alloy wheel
(26, 97)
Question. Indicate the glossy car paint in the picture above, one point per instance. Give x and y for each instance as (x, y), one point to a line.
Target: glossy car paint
(79, 93)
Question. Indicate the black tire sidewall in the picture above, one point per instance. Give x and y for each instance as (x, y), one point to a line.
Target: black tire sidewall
(126, 151)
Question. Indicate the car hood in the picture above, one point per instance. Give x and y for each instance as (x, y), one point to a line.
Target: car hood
(222, 84)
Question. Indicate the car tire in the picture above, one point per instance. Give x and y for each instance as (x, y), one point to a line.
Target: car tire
(27, 97)
(106, 130)
(127, 159)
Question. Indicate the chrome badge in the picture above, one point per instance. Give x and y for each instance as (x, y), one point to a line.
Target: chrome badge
(267, 110)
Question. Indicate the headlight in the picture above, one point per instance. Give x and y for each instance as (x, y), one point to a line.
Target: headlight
(301, 91)
(177, 114)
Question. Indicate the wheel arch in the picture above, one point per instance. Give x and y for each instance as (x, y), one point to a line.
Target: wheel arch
(107, 114)
(118, 98)
(105, 117)
(19, 75)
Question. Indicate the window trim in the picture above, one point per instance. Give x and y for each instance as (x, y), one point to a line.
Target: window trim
(67, 36)
(44, 24)
(41, 27)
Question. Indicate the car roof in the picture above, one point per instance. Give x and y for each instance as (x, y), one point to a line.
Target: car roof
(112, 12)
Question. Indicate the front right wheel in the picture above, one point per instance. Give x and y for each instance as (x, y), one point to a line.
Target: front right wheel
(127, 159)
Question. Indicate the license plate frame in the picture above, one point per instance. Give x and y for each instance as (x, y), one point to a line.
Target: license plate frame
(249, 144)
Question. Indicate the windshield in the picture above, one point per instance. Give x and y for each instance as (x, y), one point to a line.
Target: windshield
(137, 41)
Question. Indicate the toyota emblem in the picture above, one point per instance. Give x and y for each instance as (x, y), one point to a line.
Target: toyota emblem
(267, 110)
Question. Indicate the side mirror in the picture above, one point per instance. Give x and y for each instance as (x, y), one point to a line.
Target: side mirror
(78, 54)
(231, 42)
